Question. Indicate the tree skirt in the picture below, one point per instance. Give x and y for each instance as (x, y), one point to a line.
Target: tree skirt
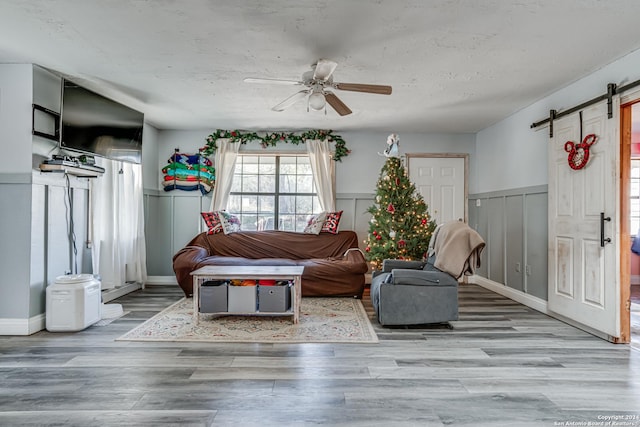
(335, 320)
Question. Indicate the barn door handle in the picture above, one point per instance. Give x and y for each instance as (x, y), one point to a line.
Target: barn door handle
(602, 239)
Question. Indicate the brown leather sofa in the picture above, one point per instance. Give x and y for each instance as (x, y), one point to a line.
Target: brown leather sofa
(333, 264)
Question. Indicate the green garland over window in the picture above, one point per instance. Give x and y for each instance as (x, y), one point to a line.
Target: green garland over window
(273, 138)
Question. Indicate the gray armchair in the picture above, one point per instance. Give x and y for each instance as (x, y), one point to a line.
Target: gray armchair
(415, 292)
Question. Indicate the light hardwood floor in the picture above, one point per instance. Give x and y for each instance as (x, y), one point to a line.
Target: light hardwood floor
(502, 364)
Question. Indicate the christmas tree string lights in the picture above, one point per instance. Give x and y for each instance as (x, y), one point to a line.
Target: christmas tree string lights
(400, 226)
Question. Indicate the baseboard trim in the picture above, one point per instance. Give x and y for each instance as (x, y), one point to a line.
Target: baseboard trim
(525, 299)
(23, 326)
(535, 303)
(111, 294)
(161, 281)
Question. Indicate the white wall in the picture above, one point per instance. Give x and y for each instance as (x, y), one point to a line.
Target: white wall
(512, 155)
(16, 87)
(149, 157)
(187, 141)
(359, 172)
(16, 97)
(356, 173)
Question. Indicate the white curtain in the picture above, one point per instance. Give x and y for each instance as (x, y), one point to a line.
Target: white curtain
(320, 159)
(118, 251)
(225, 162)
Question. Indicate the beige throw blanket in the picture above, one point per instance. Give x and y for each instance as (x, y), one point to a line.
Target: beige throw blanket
(457, 248)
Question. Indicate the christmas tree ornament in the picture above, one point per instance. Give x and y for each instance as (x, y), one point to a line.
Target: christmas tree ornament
(390, 208)
(392, 234)
(392, 146)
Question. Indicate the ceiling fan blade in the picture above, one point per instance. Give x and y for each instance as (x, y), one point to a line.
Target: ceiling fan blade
(356, 87)
(291, 100)
(273, 81)
(324, 69)
(337, 104)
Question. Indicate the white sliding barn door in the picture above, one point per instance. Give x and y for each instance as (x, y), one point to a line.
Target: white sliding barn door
(583, 270)
(441, 180)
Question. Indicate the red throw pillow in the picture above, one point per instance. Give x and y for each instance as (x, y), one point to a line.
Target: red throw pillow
(331, 223)
(213, 222)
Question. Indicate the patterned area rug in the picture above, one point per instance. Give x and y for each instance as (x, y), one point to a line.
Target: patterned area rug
(322, 320)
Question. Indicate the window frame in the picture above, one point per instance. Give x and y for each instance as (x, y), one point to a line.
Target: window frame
(634, 219)
(277, 193)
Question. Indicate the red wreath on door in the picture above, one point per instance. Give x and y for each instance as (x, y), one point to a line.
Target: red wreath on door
(579, 153)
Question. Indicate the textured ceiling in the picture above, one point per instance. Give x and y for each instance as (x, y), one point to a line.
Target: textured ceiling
(455, 66)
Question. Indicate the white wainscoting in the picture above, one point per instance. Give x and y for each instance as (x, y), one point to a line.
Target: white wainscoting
(23, 326)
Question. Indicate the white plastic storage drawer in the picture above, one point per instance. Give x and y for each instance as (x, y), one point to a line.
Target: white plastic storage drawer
(73, 303)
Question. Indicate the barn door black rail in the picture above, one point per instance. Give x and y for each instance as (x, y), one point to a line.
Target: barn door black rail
(612, 89)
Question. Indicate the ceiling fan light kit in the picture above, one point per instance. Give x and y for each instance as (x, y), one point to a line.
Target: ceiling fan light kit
(317, 100)
(317, 81)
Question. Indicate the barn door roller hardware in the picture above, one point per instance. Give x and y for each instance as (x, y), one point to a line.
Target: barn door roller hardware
(611, 90)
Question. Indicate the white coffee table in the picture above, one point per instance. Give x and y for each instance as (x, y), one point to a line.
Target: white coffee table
(254, 272)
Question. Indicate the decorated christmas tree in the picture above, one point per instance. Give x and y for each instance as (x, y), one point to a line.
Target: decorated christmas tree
(401, 225)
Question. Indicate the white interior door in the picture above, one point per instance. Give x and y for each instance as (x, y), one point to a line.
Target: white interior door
(583, 270)
(441, 181)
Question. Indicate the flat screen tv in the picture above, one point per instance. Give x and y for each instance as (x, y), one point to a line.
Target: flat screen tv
(94, 124)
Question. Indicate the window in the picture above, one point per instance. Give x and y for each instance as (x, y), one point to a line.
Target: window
(272, 192)
(634, 193)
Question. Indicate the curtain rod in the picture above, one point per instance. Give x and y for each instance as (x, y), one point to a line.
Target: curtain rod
(612, 89)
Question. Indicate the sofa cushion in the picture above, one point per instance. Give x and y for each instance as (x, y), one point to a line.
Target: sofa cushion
(277, 244)
(332, 222)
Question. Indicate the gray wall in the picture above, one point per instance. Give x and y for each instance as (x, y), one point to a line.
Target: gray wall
(521, 152)
(514, 226)
(35, 244)
(173, 218)
(52, 249)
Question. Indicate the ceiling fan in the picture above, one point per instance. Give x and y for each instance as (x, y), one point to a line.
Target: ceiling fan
(317, 81)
